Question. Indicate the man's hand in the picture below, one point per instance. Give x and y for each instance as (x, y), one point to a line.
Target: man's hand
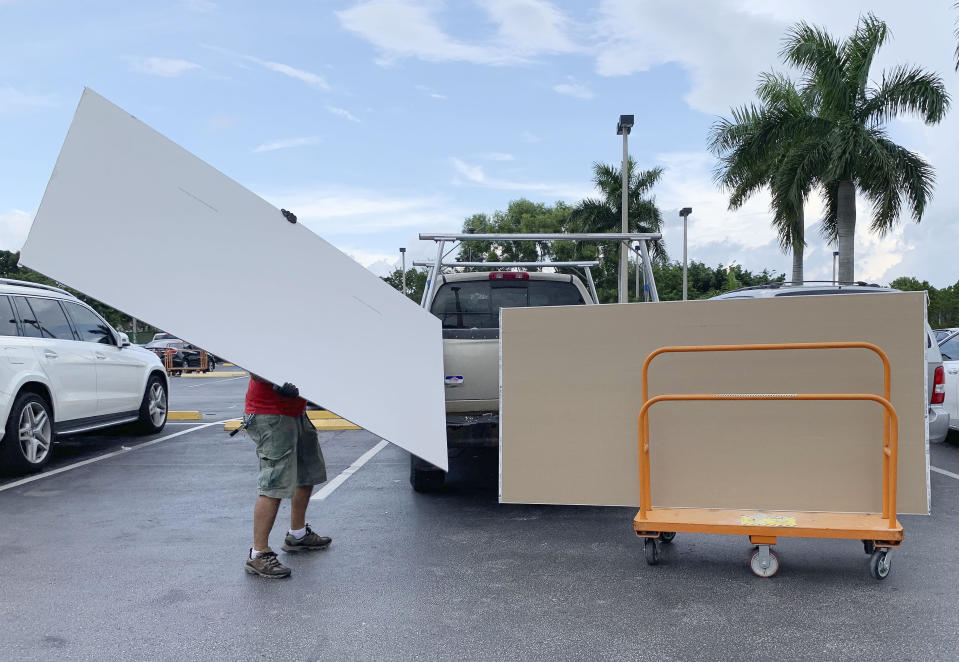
(288, 390)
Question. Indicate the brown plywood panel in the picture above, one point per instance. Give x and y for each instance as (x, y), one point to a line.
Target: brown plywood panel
(571, 393)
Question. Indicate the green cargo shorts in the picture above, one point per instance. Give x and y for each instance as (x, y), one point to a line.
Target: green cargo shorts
(289, 453)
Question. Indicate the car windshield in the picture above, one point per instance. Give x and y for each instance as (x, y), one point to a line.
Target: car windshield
(475, 304)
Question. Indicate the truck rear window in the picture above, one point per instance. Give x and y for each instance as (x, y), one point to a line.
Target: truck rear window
(476, 304)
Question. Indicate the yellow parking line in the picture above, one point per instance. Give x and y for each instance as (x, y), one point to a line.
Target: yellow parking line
(215, 375)
(320, 413)
(227, 365)
(184, 416)
(325, 424)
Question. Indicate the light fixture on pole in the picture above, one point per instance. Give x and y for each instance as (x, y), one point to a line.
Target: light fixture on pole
(685, 212)
(403, 258)
(622, 129)
(835, 266)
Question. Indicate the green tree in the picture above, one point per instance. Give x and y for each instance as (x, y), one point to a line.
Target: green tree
(521, 216)
(943, 309)
(747, 165)
(844, 144)
(415, 282)
(604, 214)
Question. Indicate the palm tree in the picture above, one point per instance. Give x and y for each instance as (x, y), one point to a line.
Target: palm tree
(604, 214)
(843, 144)
(745, 167)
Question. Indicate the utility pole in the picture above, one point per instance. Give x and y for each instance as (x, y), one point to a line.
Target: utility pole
(403, 257)
(622, 129)
(685, 212)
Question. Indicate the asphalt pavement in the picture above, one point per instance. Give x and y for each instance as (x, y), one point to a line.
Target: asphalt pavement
(140, 556)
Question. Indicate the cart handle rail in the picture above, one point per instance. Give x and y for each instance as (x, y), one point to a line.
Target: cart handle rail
(886, 380)
(890, 445)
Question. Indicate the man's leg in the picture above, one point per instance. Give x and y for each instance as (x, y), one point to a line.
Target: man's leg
(298, 505)
(264, 515)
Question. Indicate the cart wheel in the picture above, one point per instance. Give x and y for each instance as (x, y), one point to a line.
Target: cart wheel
(868, 546)
(880, 563)
(771, 565)
(667, 536)
(652, 551)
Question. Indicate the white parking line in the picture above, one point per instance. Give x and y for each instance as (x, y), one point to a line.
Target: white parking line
(945, 473)
(123, 449)
(327, 489)
(206, 382)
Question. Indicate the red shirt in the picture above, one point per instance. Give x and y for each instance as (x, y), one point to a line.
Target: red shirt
(262, 399)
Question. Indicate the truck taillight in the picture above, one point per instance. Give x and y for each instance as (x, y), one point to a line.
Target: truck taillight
(938, 387)
(508, 275)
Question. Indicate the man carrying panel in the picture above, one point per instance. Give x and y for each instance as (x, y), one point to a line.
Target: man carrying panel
(291, 463)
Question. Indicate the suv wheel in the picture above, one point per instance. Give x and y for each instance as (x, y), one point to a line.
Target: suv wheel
(28, 439)
(424, 477)
(153, 410)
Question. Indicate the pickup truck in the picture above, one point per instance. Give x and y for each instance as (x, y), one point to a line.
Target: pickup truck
(468, 305)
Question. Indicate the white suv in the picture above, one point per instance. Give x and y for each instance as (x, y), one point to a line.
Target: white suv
(64, 370)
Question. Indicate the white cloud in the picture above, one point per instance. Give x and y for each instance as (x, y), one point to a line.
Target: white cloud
(472, 173)
(475, 176)
(286, 143)
(409, 29)
(14, 226)
(13, 100)
(574, 89)
(528, 137)
(497, 156)
(307, 77)
(165, 67)
(342, 112)
(312, 79)
(431, 93)
(341, 211)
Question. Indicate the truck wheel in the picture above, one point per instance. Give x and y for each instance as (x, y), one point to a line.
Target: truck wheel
(424, 477)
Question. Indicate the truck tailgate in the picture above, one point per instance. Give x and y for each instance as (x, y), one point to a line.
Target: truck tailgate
(471, 369)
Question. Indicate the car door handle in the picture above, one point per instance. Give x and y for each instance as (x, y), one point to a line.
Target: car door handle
(50, 354)
(102, 357)
(953, 372)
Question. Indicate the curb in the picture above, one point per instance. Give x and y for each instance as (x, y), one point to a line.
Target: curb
(184, 416)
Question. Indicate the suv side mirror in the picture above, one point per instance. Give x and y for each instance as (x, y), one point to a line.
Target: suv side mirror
(124, 340)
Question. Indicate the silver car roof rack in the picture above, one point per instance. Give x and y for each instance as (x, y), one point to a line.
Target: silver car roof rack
(641, 238)
(27, 283)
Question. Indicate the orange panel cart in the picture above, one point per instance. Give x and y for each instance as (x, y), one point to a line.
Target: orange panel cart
(879, 532)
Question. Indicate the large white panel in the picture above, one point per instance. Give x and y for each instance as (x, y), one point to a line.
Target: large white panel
(139, 223)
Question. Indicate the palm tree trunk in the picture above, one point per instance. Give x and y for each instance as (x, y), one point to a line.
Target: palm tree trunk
(846, 229)
(799, 243)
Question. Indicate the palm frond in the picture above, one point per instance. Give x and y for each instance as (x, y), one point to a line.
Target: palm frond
(906, 89)
(859, 51)
(819, 56)
(828, 228)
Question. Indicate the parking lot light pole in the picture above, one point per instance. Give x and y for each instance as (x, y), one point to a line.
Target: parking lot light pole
(835, 260)
(685, 212)
(403, 258)
(622, 129)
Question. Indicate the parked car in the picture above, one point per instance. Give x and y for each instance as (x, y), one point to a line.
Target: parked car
(67, 371)
(468, 305)
(184, 355)
(949, 348)
(938, 415)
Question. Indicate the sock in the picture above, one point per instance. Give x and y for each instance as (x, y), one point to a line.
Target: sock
(299, 533)
(255, 554)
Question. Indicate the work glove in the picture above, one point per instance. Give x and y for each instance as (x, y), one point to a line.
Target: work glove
(288, 390)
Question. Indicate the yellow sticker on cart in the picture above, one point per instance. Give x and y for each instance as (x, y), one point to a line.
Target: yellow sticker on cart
(768, 520)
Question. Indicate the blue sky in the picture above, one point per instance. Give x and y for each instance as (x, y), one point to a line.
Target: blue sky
(377, 120)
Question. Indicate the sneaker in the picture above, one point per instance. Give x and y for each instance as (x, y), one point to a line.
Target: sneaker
(310, 541)
(266, 565)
